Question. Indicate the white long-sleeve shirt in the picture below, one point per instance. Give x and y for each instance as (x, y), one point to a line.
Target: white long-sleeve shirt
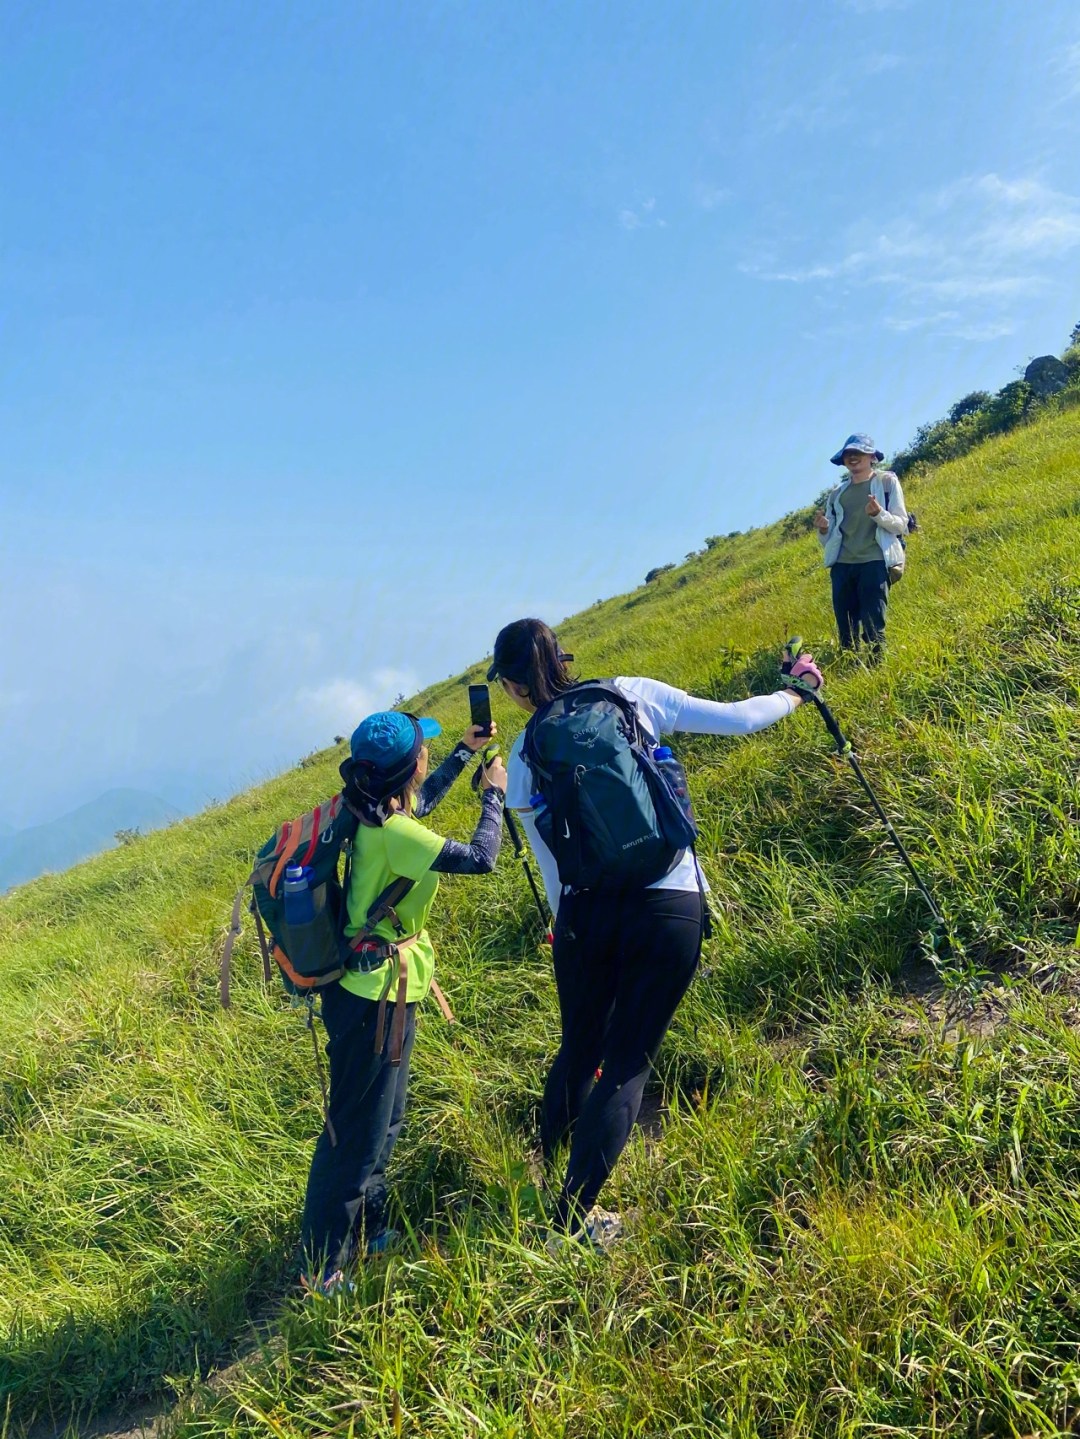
(662, 709)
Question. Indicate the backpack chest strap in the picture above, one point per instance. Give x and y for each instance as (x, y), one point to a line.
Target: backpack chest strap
(372, 953)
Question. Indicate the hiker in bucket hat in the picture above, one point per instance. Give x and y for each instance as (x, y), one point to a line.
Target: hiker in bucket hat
(861, 529)
(370, 1012)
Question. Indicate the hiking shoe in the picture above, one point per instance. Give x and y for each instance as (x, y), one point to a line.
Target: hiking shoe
(382, 1242)
(328, 1285)
(601, 1229)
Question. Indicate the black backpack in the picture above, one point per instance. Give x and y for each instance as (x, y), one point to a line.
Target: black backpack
(611, 820)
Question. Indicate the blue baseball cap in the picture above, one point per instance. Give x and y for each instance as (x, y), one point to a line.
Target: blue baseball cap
(390, 738)
(863, 443)
(385, 748)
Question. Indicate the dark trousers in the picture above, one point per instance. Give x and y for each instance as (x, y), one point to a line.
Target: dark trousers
(623, 961)
(860, 594)
(347, 1183)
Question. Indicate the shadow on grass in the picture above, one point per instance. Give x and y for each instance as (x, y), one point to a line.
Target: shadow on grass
(76, 1367)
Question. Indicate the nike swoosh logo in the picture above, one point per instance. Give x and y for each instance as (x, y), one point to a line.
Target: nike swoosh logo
(566, 822)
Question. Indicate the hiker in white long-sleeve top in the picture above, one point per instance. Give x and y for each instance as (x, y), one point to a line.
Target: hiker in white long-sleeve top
(609, 819)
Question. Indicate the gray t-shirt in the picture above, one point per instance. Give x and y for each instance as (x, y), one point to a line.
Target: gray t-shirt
(860, 532)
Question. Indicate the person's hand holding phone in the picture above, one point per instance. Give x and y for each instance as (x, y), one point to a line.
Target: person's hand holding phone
(477, 736)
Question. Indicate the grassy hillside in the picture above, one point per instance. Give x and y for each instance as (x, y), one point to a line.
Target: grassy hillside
(852, 1212)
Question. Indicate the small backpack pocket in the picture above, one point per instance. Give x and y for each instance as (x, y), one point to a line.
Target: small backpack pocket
(313, 948)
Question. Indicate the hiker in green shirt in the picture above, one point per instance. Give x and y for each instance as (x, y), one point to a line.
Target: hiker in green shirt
(370, 1012)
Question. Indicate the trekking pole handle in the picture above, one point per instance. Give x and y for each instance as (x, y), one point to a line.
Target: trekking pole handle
(487, 754)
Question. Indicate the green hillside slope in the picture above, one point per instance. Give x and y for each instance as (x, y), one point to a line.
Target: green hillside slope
(847, 1213)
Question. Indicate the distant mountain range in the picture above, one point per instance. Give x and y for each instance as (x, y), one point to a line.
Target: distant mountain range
(59, 843)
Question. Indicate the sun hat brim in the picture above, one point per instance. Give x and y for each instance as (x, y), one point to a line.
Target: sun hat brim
(863, 443)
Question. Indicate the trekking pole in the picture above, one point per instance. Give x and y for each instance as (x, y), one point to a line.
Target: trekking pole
(844, 750)
(519, 850)
(519, 844)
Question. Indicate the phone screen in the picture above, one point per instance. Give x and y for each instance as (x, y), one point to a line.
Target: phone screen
(480, 707)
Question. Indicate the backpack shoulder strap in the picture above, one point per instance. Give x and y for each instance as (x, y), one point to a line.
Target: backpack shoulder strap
(384, 905)
(611, 691)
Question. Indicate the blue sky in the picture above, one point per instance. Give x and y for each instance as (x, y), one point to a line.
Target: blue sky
(333, 337)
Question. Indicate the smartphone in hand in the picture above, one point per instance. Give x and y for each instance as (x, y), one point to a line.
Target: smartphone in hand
(480, 707)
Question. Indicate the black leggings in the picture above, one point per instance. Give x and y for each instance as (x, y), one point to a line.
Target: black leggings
(623, 961)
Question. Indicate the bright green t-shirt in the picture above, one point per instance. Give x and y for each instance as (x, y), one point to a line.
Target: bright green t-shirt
(400, 847)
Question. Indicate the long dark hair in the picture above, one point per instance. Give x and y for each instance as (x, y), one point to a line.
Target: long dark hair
(528, 653)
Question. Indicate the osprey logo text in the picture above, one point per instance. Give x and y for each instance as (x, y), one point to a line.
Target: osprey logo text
(587, 737)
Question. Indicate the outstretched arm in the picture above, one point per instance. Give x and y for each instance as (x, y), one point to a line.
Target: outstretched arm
(698, 716)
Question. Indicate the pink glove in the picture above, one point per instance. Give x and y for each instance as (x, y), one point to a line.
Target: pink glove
(802, 675)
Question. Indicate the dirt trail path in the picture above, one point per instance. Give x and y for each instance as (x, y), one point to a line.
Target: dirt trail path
(149, 1418)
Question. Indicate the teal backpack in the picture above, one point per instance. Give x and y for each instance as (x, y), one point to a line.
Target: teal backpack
(611, 818)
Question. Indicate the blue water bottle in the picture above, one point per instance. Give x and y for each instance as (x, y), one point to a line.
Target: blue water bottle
(299, 900)
(538, 804)
(673, 772)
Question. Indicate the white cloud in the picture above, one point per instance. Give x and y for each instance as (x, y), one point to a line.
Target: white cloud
(711, 197)
(642, 216)
(1067, 65)
(818, 107)
(920, 322)
(992, 330)
(340, 704)
(979, 242)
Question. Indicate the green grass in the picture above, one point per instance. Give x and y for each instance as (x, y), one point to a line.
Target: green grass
(854, 1219)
